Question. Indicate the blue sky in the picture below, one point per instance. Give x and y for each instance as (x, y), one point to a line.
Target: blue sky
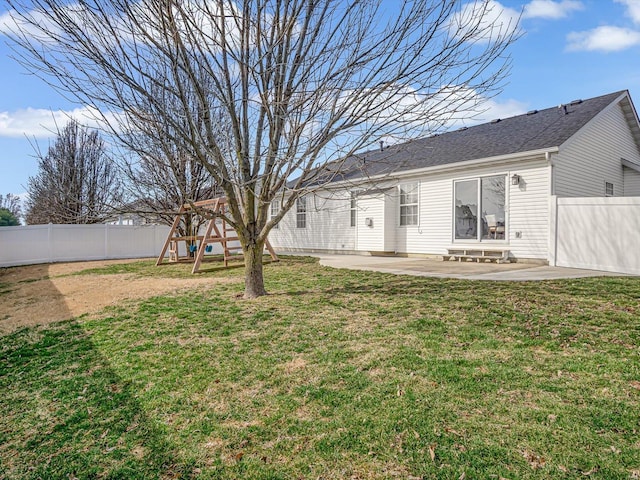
(570, 49)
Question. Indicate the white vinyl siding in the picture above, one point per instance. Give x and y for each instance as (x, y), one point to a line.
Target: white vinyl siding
(594, 154)
(327, 228)
(377, 221)
(328, 220)
(370, 234)
(528, 206)
(391, 221)
(527, 211)
(631, 183)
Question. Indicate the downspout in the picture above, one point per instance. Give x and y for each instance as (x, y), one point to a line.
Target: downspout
(552, 180)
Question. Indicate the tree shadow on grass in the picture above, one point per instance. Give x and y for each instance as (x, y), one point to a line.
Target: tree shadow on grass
(66, 414)
(29, 298)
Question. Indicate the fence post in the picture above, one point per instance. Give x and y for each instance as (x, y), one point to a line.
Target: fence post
(106, 241)
(50, 243)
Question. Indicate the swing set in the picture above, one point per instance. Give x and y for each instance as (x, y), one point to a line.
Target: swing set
(216, 231)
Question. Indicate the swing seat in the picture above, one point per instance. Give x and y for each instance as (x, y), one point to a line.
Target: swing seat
(193, 248)
(208, 248)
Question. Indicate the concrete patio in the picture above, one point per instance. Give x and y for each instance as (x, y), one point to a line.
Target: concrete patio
(433, 267)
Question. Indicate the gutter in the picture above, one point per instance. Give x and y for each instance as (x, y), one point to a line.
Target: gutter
(453, 166)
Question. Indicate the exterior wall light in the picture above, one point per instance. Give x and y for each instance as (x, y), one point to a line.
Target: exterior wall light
(515, 179)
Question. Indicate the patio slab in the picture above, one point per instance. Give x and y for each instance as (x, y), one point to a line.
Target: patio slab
(431, 267)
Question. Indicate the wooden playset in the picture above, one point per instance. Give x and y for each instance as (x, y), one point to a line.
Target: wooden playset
(197, 246)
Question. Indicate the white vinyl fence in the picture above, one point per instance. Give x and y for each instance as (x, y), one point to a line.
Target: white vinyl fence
(597, 234)
(67, 243)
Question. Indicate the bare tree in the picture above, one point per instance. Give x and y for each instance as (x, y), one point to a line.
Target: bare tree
(158, 184)
(162, 171)
(76, 182)
(11, 203)
(301, 84)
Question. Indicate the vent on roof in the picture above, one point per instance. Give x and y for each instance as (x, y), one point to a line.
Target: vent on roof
(563, 108)
(576, 102)
(495, 120)
(462, 128)
(532, 112)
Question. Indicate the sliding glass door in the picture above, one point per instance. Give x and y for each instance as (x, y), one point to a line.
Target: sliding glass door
(480, 212)
(466, 215)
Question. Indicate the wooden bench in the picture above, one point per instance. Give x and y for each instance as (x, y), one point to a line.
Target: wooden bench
(477, 255)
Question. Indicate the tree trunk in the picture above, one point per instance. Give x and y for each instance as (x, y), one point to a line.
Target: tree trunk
(253, 280)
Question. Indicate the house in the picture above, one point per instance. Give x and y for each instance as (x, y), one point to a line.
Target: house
(140, 212)
(501, 186)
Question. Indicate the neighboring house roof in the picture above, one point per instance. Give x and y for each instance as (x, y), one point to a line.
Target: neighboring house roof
(533, 131)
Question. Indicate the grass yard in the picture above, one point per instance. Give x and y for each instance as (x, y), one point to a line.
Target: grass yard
(335, 375)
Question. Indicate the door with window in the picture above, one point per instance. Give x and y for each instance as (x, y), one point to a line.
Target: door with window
(480, 209)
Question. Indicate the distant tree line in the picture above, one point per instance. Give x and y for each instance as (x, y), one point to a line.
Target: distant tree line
(80, 181)
(77, 181)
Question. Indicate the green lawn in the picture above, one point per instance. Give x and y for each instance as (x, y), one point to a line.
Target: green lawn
(335, 375)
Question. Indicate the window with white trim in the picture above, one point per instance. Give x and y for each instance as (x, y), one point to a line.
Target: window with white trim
(409, 204)
(274, 211)
(301, 212)
(608, 189)
(352, 209)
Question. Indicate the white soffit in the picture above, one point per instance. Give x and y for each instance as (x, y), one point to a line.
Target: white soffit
(629, 164)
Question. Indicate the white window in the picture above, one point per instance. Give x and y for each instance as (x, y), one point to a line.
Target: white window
(301, 212)
(275, 210)
(352, 209)
(409, 204)
(608, 189)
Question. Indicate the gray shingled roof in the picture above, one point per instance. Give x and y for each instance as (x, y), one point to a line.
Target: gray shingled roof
(534, 131)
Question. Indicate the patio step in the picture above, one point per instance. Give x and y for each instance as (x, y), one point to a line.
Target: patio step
(477, 255)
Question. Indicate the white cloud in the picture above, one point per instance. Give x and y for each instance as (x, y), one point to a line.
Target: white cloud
(504, 109)
(483, 21)
(603, 39)
(633, 9)
(12, 24)
(456, 106)
(407, 109)
(550, 9)
(9, 23)
(43, 123)
(490, 109)
(199, 22)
